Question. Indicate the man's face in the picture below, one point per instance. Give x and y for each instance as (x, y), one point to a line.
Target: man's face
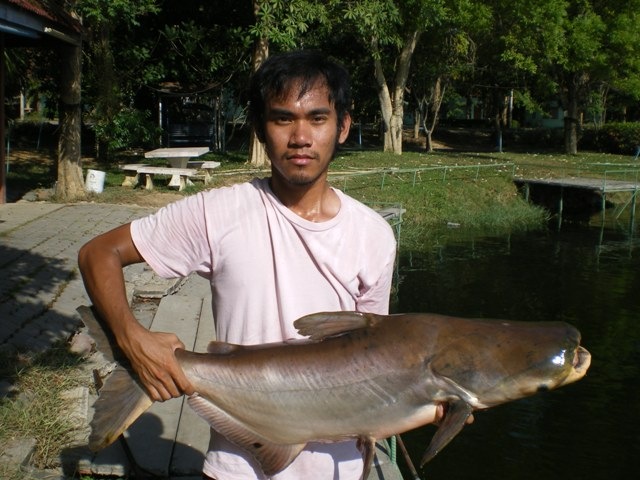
(301, 135)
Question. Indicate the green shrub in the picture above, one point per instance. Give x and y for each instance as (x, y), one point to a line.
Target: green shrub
(129, 128)
(620, 138)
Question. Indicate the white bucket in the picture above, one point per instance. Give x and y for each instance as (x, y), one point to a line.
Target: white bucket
(95, 181)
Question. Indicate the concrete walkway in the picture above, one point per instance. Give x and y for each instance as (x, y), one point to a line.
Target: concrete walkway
(40, 287)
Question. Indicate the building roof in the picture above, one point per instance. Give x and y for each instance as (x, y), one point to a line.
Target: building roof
(26, 22)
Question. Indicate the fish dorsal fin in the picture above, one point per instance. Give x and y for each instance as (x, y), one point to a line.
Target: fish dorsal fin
(318, 326)
(454, 419)
(121, 401)
(272, 457)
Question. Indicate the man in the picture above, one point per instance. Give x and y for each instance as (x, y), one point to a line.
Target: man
(274, 250)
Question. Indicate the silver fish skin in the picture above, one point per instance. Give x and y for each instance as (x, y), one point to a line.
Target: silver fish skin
(357, 376)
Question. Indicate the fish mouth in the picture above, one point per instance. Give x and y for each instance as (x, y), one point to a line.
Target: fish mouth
(581, 363)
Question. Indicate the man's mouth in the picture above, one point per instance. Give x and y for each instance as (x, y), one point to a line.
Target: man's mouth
(300, 160)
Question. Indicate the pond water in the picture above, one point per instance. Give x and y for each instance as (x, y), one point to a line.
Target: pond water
(586, 276)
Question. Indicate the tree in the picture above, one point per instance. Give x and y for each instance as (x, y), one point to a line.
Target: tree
(70, 184)
(575, 50)
(451, 52)
(282, 24)
(391, 31)
(108, 25)
(524, 42)
(599, 52)
(583, 55)
(378, 24)
(616, 83)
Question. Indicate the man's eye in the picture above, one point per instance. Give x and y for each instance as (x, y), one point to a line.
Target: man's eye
(282, 120)
(320, 119)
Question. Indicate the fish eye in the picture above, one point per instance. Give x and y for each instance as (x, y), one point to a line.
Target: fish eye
(559, 359)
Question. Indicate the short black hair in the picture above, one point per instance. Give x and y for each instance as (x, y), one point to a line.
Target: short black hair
(279, 72)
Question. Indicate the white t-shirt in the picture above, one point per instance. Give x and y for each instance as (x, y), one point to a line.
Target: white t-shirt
(268, 267)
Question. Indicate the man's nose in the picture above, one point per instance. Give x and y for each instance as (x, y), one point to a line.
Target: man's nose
(300, 134)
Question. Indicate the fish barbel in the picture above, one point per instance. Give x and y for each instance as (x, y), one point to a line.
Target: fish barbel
(356, 376)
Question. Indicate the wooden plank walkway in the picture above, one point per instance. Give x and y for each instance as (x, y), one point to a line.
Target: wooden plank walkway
(599, 185)
(169, 440)
(602, 185)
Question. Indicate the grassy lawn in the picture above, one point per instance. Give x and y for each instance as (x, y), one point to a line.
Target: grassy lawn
(470, 190)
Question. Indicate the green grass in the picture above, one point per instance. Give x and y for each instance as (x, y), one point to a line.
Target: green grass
(37, 410)
(470, 190)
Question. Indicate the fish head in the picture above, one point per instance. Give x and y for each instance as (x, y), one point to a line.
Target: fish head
(492, 362)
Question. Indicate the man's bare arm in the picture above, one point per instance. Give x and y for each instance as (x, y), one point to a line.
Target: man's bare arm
(101, 262)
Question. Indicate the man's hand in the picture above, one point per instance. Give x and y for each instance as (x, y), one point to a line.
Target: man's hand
(152, 357)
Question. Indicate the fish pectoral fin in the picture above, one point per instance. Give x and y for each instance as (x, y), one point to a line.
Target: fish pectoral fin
(121, 401)
(272, 457)
(319, 326)
(367, 446)
(454, 419)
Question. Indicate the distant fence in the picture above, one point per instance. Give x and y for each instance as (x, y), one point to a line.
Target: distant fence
(415, 175)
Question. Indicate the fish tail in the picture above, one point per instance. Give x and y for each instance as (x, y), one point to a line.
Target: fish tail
(121, 401)
(122, 398)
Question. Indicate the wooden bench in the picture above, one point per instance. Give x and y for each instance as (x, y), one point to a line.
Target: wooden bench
(179, 176)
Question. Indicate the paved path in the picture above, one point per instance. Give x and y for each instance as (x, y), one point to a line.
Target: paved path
(40, 290)
(40, 286)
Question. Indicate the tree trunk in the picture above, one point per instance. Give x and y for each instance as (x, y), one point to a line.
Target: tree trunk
(391, 104)
(437, 95)
(70, 185)
(498, 116)
(108, 100)
(571, 117)
(384, 97)
(257, 154)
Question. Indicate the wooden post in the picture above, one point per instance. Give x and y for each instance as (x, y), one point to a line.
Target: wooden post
(633, 210)
(560, 207)
(3, 160)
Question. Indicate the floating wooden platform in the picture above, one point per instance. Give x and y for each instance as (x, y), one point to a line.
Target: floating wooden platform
(596, 184)
(601, 186)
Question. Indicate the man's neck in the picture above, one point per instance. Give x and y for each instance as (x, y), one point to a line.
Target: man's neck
(316, 202)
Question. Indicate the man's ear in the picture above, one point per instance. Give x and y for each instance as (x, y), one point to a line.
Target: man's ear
(343, 131)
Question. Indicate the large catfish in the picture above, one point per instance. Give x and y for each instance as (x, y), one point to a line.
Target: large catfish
(357, 376)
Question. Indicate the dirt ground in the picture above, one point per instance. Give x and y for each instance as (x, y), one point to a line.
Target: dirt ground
(22, 159)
